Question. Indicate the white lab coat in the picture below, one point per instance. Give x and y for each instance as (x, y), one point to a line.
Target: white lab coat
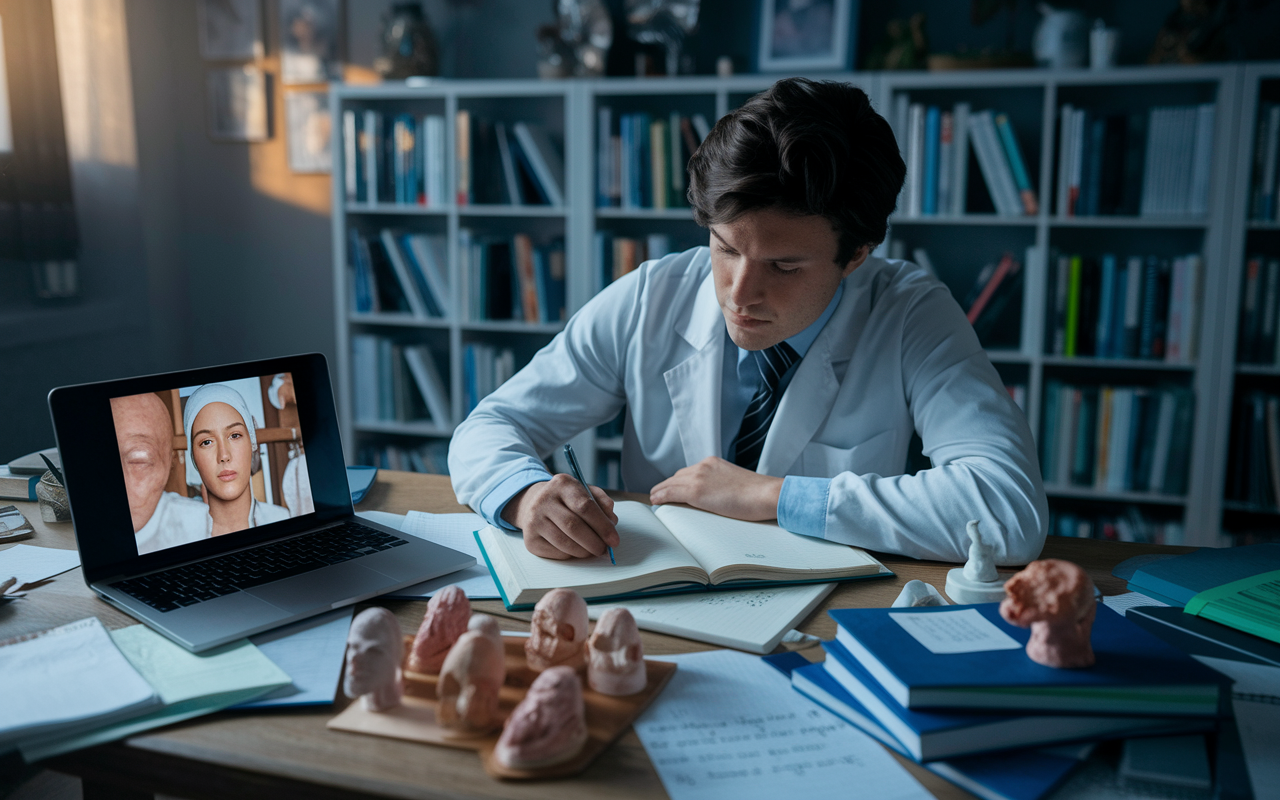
(896, 356)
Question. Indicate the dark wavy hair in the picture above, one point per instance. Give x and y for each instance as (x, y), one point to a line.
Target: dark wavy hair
(804, 147)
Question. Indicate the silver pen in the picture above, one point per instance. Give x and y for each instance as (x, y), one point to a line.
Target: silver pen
(577, 473)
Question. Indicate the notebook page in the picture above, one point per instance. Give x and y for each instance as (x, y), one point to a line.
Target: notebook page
(646, 547)
(754, 620)
(717, 541)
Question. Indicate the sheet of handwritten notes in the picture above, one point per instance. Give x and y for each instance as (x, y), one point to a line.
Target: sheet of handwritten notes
(729, 725)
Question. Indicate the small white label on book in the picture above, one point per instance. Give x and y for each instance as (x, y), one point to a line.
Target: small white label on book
(961, 631)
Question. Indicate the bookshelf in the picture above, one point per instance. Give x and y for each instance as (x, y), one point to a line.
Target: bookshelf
(959, 245)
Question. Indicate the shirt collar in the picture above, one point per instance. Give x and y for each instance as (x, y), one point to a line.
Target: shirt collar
(803, 340)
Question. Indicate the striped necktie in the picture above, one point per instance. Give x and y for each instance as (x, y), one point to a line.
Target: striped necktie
(773, 363)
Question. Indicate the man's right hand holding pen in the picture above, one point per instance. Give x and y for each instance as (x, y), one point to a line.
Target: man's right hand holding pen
(560, 521)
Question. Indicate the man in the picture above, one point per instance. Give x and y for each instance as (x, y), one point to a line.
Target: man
(144, 434)
(779, 373)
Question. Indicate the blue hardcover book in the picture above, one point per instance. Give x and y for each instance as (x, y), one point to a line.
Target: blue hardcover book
(1102, 347)
(1135, 672)
(932, 142)
(642, 186)
(1150, 297)
(1119, 302)
(1181, 578)
(1016, 775)
(932, 735)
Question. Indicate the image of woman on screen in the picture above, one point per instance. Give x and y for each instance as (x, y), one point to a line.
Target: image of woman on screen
(221, 442)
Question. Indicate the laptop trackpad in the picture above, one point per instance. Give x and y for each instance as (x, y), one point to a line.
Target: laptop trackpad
(322, 588)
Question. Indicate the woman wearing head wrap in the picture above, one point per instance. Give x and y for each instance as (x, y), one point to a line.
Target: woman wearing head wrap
(221, 441)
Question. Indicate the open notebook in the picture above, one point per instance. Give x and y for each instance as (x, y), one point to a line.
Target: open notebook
(673, 549)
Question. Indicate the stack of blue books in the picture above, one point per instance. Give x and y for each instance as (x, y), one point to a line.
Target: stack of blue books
(950, 711)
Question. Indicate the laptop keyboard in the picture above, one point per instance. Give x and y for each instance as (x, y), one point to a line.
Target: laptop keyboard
(205, 580)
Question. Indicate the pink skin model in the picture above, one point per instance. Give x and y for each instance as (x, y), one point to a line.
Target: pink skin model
(482, 623)
(374, 649)
(1055, 598)
(615, 655)
(470, 680)
(549, 726)
(559, 631)
(445, 620)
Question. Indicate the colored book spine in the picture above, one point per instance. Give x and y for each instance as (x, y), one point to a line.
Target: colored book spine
(932, 141)
(1021, 179)
(1073, 307)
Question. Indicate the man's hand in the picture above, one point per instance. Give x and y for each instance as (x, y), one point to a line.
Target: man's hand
(723, 488)
(559, 520)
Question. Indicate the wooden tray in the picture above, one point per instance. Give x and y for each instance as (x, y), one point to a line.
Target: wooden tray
(415, 719)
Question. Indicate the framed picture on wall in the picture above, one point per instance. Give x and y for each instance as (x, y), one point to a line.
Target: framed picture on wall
(804, 35)
(230, 30)
(308, 130)
(309, 41)
(238, 104)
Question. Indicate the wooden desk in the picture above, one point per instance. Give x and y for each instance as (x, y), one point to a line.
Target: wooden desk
(289, 752)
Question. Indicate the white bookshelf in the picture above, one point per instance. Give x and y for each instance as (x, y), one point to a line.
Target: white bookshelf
(1032, 97)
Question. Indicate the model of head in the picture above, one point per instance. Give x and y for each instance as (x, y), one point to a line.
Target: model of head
(374, 649)
(144, 434)
(558, 632)
(470, 683)
(549, 726)
(447, 613)
(615, 655)
(796, 187)
(1054, 598)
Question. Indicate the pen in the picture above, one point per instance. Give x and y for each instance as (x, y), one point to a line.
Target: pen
(577, 473)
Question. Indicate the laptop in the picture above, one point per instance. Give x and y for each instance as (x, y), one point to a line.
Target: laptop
(213, 504)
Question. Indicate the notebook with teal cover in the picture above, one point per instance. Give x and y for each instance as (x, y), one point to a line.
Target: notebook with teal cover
(1177, 580)
(1135, 672)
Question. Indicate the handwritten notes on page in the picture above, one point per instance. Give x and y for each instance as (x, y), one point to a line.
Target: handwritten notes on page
(729, 725)
(964, 631)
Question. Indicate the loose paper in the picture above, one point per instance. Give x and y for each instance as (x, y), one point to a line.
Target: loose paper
(1255, 697)
(310, 652)
(729, 725)
(31, 564)
(454, 531)
(961, 631)
(1121, 603)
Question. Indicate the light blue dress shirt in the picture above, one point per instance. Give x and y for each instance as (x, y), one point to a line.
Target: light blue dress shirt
(802, 506)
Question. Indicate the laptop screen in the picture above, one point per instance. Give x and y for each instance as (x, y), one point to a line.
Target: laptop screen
(206, 460)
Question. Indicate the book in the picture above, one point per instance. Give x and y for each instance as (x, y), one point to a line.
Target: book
(1030, 204)
(1183, 577)
(462, 156)
(428, 256)
(17, 487)
(1011, 775)
(544, 160)
(510, 179)
(1198, 636)
(932, 143)
(430, 384)
(914, 187)
(932, 735)
(673, 549)
(67, 680)
(1121, 682)
(1063, 197)
(416, 299)
(754, 620)
(960, 162)
(994, 165)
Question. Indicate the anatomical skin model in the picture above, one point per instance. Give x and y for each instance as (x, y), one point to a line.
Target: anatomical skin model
(471, 679)
(374, 649)
(615, 655)
(558, 633)
(445, 620)
(1054, 598)
(549, 726)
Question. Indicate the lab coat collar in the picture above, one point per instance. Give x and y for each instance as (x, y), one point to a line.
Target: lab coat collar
(694, 384)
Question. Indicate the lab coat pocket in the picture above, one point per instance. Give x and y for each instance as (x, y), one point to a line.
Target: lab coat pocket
(872, 455)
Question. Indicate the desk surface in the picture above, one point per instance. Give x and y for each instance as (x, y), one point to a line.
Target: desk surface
(266, 754)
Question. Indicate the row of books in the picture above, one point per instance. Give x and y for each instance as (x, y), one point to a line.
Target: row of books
(994, 295)
(1149, 163)
(509, 277)
(1264, 206)
(1253, 474)
(484, 368)
(641, 160)
(618, 255)
(1135, 307)
(1116, 438)
(507, 164)
(396, 382)
(1259, 310)
(904, 677)
(935, 145)
(431, 457)
(398, 272)
(1131, 525)
(394, 158)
